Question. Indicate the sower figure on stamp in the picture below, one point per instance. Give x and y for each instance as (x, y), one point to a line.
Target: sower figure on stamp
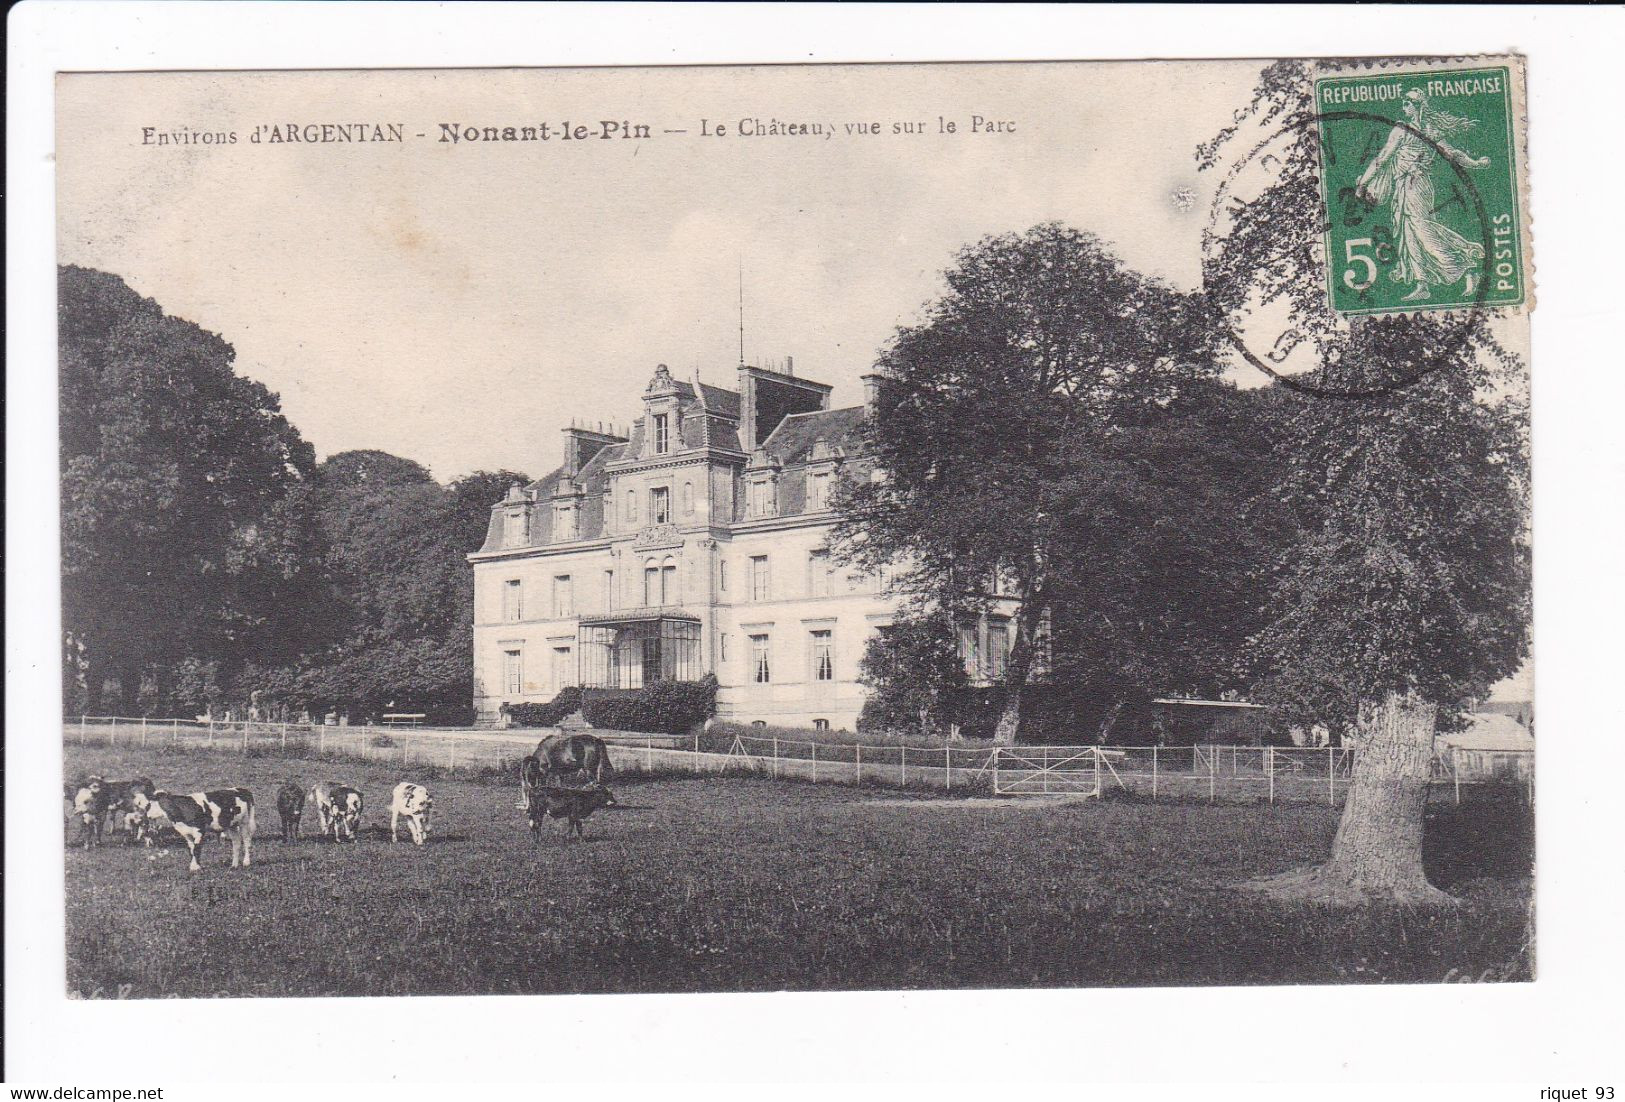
(1429, 252)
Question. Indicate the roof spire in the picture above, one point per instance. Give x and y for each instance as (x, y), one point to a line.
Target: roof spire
(741, 309)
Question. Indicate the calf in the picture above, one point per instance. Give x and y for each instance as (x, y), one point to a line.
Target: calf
(338, 809)
(290, 806)
(574, 804)
(228, 811)
(95, 800)
(413, 802)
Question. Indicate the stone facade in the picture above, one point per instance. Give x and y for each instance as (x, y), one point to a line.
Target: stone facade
(694, 543)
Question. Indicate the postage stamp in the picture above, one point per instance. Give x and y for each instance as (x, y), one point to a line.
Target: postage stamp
(1420, 177)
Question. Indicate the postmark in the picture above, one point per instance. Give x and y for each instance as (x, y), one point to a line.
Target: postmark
(1422, 165)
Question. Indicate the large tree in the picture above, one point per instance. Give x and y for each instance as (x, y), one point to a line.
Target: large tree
(1403, 464)
(1018, 434)
(174, 469)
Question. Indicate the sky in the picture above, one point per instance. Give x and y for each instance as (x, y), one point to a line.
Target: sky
(459, 303)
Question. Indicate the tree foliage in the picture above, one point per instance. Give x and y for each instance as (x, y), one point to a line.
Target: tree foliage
(912, 673)
(173, 468)
(1408, 568)
(1055, 422)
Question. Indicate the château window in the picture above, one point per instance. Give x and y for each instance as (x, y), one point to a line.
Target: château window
(513, 600)
(564, 668)
(969, 652)
(651, 584)
(820, 725)
(761, 498)
(609, 590)
(818, 575)
(513, 528)
(722, 647)
(817, 492)
(564, 524)
(763, 672)
(513, 672)
(662, 434)
(563, 596)
(758, 578)
(998, 649)
(659, 505)
(668, 582)
(823, 655)
(722, 575)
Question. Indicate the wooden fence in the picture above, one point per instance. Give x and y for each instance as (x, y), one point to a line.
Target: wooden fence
(1212, 773)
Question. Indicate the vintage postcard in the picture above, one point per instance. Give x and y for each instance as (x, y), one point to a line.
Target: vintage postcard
(814, 527)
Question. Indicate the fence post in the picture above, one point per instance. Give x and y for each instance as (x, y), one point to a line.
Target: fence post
(648, 755)
(321, 739)
(209, 741)
(112, 732)
(1331, 777)
(860, 764)
(245, 737)
(775, 755)
(947, 768)
(1212, 772)
(1043, 772)
(1269, 763)
(995, 770)
(284, 736)
(815, 761)
(1455, 775)
(143, 731)
(903, 763)
(1153, 772)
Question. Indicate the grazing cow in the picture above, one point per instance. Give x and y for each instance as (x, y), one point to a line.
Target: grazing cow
(412, 802)
(574, 804)
(290, 805)
(96, 800)
(576, 760)
(338, 809)
(228, 811)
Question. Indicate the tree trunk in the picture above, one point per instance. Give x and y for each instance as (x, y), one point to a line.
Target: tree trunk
(1377, 852)
(1015, 679)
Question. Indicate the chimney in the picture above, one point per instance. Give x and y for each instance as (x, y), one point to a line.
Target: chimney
(872, 383)
(747, 410)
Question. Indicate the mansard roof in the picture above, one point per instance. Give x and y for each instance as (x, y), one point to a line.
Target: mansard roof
(719, 401)
(792, 442)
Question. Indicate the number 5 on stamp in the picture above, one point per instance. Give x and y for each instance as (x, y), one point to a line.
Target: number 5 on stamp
(1420, 179)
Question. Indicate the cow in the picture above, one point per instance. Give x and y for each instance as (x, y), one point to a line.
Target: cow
(338, 809)
(568, 759)
(290, 806)
(228, 811)
(574, 804)
(96, 799)
(413, 803)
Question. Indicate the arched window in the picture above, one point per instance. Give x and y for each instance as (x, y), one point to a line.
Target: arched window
(668, 581)
(651, 583)
(688, 499)
(631, 507)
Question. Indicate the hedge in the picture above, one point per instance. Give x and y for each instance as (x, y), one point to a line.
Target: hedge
(665, 707)
(549, 714)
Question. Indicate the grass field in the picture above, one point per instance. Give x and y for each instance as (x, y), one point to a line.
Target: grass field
(744, 884)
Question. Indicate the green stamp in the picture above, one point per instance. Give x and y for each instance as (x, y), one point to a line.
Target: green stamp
(1420, 181)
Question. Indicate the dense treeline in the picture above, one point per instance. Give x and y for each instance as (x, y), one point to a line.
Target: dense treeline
(209, 562)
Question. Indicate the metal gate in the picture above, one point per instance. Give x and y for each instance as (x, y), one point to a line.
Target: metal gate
(1046, 770)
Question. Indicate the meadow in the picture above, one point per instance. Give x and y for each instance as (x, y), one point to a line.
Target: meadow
(724, 883)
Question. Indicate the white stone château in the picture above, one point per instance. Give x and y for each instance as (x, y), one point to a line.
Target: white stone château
(696, 543)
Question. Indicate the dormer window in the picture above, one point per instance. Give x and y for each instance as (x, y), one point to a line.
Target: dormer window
(662, 433)
(513, 528)
(762, 498)
(565, 527)
(818, 492)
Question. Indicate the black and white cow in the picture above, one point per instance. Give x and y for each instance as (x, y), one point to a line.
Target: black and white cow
(290, 807)
(228, 811)
(338, 810)
(413, 803)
